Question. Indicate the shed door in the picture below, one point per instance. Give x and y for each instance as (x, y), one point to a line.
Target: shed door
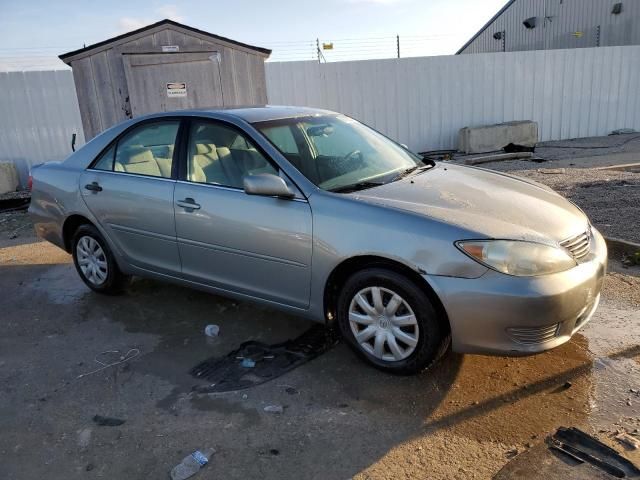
(155, 81)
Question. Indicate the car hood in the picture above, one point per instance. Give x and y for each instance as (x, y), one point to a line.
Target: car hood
(487, 204)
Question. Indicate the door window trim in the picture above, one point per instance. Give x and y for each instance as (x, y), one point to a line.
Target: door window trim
(115, 142)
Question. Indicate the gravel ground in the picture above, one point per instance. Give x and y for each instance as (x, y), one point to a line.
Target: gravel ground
(14, 224)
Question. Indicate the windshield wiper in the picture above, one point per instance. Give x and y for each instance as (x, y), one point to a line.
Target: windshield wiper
(354, 187)
(411, 170)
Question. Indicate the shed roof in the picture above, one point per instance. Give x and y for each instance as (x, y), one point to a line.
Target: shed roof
(487, 25)
(65, 56)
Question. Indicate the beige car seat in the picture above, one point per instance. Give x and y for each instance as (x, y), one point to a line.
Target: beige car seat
(138, 160)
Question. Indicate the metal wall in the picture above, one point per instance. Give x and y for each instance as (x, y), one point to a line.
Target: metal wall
(423, 102)
(561, 24)
(39, 113)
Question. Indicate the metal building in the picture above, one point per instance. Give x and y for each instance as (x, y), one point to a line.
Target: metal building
(161, 67)
(552, 24)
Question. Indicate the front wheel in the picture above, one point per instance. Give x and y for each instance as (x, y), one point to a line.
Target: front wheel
(95, 262)
(389, 321)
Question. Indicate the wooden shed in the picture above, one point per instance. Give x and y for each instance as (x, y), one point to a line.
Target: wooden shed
(164, 66)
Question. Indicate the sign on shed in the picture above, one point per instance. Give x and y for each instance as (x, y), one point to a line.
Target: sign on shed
(176, 89)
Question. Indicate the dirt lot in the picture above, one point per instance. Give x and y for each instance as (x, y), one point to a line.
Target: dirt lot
(341, 418)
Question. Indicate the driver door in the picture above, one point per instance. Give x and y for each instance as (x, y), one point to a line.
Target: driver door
(253, 245)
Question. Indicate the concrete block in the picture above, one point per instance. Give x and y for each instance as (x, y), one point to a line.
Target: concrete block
(491, 138)
(9, 180)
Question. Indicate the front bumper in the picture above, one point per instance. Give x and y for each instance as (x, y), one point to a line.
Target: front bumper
(506, 315)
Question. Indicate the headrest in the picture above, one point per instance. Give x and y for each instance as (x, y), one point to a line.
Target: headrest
(205, 148)
(139, 156)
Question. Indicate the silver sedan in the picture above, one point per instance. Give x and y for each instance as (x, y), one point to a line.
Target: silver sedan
(314, 213)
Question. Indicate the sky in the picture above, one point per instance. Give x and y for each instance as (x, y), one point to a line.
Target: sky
(34, 32)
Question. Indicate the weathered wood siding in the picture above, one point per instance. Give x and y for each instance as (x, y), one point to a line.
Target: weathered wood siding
(103, 91)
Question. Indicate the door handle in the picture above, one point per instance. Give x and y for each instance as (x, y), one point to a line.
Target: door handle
(93, 186)
(188, 204)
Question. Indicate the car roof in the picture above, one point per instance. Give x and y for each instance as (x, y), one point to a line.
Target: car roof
(252, 114)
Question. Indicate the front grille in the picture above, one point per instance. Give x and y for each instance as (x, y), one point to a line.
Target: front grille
(533, 335)
(578, 246)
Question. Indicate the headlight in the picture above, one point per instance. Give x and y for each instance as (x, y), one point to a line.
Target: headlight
(522, 259)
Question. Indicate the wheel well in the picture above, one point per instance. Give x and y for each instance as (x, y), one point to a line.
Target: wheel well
(342, 272)
(71, 224)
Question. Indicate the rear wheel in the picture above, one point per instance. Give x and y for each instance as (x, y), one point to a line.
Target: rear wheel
(388, 320)
(95, 262)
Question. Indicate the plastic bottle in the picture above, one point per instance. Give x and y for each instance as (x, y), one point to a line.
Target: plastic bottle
(212, 330)
(191, 464)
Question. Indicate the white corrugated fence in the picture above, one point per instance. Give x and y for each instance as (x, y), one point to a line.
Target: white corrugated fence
(421, 102)
(38, 113)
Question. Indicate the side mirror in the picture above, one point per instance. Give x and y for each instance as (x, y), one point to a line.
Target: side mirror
(267, 185)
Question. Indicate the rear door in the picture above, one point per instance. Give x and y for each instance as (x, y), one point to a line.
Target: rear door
(129, 189)
(255, 245)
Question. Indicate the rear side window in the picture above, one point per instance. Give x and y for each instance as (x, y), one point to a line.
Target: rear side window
(145, 150)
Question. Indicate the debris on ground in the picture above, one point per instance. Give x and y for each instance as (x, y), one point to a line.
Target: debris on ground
(191, 464)
(255, 362)
(552, 171)
(630, 260)
(107, 421)
(15, 201)
(628, 440)
(568, 454)
(623, 131)
(274, 409)
(247, 363)
(511, 453)
(211, 330)
(117, 359)
(586, 449)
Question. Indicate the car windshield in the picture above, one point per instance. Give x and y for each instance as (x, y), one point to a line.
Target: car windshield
(338, 153)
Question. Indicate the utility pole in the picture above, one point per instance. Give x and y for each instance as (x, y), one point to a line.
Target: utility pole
(398, 44)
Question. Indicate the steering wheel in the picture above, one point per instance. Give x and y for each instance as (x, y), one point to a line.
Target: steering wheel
(353, 153)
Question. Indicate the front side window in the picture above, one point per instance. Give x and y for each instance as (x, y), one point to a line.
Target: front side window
(145, 150)
(336, 152)
(221, 155)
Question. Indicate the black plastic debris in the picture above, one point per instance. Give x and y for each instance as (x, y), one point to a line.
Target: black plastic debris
(107, 421)
(585, 448)
(514, 148)
(229, 373)
(569, 454)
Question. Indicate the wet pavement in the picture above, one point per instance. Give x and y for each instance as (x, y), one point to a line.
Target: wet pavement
(462, 419)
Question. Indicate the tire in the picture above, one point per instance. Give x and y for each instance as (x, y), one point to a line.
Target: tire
(95, 262)
(411, 319)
